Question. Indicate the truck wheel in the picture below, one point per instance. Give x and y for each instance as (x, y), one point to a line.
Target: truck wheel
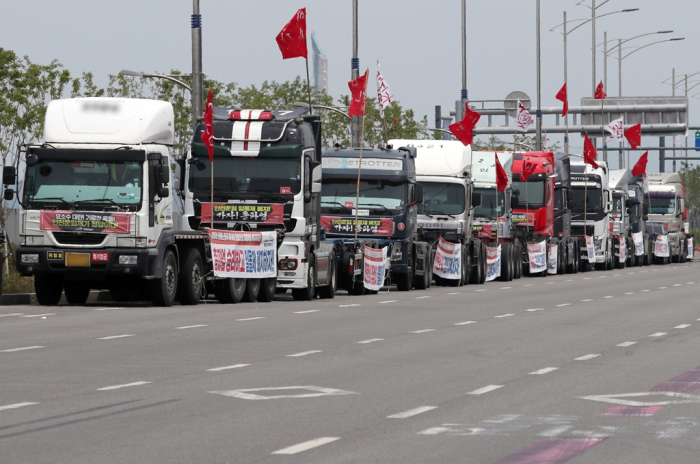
(517, 262)
(189, 284)
(466, 267)
(308, 293)
(328, 291)
(76, 293)
(48, 289)
(404, 281)
(229, 290)
(482, 279)
(357, 287)
(268, 286)
(164, 290)
(505, 262)
(475, 277)
(422, 281)
(252, 290)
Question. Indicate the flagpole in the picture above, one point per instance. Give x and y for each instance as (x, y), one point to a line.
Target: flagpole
(359, 167)
(308, 86)
(602, 129)
(211, 204)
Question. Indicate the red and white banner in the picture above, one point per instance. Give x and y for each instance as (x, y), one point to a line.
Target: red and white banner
(661, 248)
(590, 248)
(384, 96)
(622, 254)
(523, 219)
(346, 225)
(537, 253)
(86, 221)
(250, 255)
(552, 259)
(260, 213)
(690, 247)
(375, 267)
(523, 119)
(493, 263)
(638, 239)
(616, 129)
(448, 260)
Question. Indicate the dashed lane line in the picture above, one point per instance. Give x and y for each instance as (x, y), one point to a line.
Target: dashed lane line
(412, 412)
(682, 326)
(546, 370)
(107, 309)
(535, 309)
(454, 293)
(481, 290)
(16, 406)
(371, 340)
(587, 357)
(112, 337)
(677, 285)
(629, 293)
(609, 296)
(422, 297)
(11, 314)
(659, 334)
(306, 312)
(486, 389)
(563, 304)
(24, 348)
(191, 326)
(307, 445)
(626, 343)
(225, 368)
(39, 315)
(388, 301)
(587, 300)
(303, 353)
(505, 288)
(117, 387)
(250, 319)
(504, 315)
(348, 305)
(422, 331)
(466, 323)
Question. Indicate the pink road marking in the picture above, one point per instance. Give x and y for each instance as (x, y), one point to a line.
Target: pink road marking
(686, 382)
(551, 451)
(631, 411)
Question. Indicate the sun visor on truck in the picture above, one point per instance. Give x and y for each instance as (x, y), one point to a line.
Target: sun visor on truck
(276, 152)
(68, 154)
(246, 138)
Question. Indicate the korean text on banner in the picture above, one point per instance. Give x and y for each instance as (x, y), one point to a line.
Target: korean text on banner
(552, 261)
(590, 248)
(537, 253)
(623, 250)
(375, 265)
(261, 213)
(493, 263)
(661, 248)
(448, 260)
(638, 238)
(244, 254)
(690, 247)
(86, 221)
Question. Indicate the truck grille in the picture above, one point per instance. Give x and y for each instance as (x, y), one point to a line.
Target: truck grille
(71, 238)
(579, 230)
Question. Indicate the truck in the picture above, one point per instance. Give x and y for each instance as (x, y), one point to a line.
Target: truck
(492, 217)
(623, 243)
(568, 246)
(590, 215)
(267, 177)
(638, 210)
(95, 206)
(533, 219)
(384, 211)
(668, 206)
(443, 170)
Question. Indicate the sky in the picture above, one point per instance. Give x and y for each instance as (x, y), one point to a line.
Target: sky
(417, 42)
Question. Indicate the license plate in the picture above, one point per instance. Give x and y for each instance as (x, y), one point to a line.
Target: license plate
(78, 259)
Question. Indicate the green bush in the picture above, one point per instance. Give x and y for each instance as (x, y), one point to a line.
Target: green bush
(15, 283)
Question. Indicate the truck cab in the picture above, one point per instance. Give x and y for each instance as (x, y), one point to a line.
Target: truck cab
(668, 206)
(619, 217)
(568, 259)
(638, 215)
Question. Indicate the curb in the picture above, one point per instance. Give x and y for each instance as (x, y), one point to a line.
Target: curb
(29, 299)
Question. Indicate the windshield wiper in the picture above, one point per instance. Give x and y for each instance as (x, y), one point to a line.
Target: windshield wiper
(374, 204)
(53, 198)
(335, 203)
(444, 214)
(99, 200)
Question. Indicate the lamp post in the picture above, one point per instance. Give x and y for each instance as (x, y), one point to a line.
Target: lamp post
(538, 115)
(329, 108)
(197, 77)
(354, 74)
(126, 72)
(465, 94)
(620, 57)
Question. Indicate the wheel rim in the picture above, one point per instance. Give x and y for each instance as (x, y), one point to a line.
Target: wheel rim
(334, 283)
(196, 278)
(170, 278)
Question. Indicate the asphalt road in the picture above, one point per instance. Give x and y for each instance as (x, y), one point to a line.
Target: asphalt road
(590, 368)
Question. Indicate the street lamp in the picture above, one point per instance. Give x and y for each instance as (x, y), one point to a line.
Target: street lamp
(329, 108)
(126, 72)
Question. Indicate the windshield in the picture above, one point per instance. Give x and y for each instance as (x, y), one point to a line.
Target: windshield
(662, 205)
(531, 194)
(87, 185)
(245, 175)
(382, 195)
(490, 207)
(617, 205)
(593, 202)
(442, 198)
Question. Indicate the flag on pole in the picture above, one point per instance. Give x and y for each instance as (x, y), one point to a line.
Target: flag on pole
(358, 102)
(589, 153)
(544, 143)
(616, 129)
(561, 96)
(523, 119)
(641, 166)
(600, 92)
(528, 170)
(634, 135)
(292, 37)
(501, 176)
(463, 130)
(384, 96)
(208, 133)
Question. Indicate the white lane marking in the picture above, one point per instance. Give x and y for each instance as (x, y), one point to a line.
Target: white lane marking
(15, 406)
(555, 431)
(586, 278)
(662, 288)
(482, 290)
(11, 314)
(504, 315)
(372, 340)
(348, 305)
(412, 412)
(546, 370)
(422, 331)
(629, 293)
(682, 326)
(505, 288)
(550, 283)
(677, 285)
(422, 297)
(617, 275)
(388, 301)
(602, 277)
(466, 323)
(659, 334)
(22, 349)
(535, 309)
(111, 337)
(224, 368)
(586, 300)
(486, 389)
(563, 304)
(116, 387)
(250, 318)
(107, 309)
(528, 285)
(587, 357)
(305, 312)
(454, 293)
(690, 283)
(569, 280)
(626, 343)
(303, 353)
(609, 296)
(645, 290)
(191, 326)
(307, 445)
(39, 315)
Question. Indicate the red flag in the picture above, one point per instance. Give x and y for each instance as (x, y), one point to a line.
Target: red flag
(208, 132)
(501, 176)
(589, 153)
(641, 166)
(561, 96)
(292, 37)
(358, 102)
(463, 130)
(599, 92)
(634, 135)
(528, 170)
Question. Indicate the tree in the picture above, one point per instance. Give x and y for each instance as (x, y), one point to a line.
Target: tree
(691, 180)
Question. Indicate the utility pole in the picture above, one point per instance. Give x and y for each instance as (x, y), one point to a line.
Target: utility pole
(593, 44)
(354, 74)
(197, 84)
(465, 93)
(566, 81)
(538, 139)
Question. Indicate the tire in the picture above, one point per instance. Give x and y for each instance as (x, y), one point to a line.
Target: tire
(477, 270)
(229, 291)
(164, 290)
(404, 281)
(189, 285)
(518, 262)
(328, 292)
(268, 287)
(48, 289)
(422, 281)
(357, 288)
(252, 290)
(308, 293)
(506, 263)
(466, 266)
(76, 293)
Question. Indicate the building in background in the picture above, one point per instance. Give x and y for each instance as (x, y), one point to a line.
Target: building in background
(320, 66)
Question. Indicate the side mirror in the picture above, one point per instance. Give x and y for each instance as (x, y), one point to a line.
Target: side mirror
(8, 175)
(180, 173)
(163, 192)
(418, 193)
(645, 209)
(32, 160)
(164, 174)
(628, 202)
(476, 200)
(514, 201)
(9, 194)
(315, 167)
(516, 192)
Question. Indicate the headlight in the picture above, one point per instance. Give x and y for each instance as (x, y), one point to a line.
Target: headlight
(141, 242)
(128, 260)
(30, 258)
(287, 264)
(396, 251)
(125, 242)
(598, 242)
